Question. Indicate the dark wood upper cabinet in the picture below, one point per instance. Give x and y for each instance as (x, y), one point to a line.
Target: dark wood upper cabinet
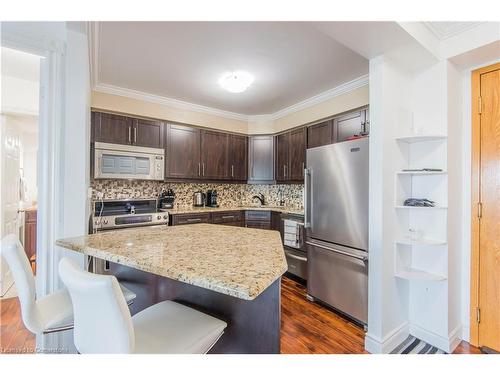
(261, 159)
(123, 130)
(297, 152)
(238, 157)
(183, 152)
(320, 134)
(282, 157)
(291, 155)
(214, 155)
(109, 128)
(147, 133)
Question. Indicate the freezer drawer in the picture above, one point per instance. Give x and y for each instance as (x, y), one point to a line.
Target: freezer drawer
(338, 276)
(297, 262)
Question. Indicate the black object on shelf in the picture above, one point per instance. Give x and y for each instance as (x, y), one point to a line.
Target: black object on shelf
(415, 202)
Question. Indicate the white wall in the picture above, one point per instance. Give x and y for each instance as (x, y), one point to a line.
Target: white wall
(390, 99)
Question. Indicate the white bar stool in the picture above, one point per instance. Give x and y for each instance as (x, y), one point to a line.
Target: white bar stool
(52, 313)
(103, 323)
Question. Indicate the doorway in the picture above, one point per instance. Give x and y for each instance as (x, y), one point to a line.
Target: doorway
(485, 259)
(20, 77)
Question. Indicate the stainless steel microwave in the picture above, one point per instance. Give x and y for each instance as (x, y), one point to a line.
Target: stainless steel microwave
(128, 162)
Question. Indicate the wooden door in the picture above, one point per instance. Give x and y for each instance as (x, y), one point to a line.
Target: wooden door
(297, 154)
(238, 152)
(261, 159)
(109, 128)
(147, 133)
(282, 157)
(485, 297)
(214, 155)
(183, 152)
(320, 134)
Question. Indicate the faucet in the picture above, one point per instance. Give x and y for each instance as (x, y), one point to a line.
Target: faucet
(260, 197)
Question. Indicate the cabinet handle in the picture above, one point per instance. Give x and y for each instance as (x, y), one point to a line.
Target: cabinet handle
(193, 220)
(203, 168)
(228, 217)
(135, 135)
(232, 170)
(303, 167)
(129, 134)
(284, 170)
(199, 169)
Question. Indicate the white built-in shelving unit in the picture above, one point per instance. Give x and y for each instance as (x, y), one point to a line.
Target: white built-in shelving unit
(423, 259)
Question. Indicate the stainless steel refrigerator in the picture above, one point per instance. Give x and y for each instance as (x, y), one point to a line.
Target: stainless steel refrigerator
(336, 220)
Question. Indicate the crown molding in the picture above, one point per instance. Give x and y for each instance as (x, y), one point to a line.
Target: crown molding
(442, 32)
(94, 33)
(317, 99)
(175, 103)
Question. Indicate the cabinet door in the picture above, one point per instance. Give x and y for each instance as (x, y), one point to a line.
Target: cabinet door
(238, 151)
(183, 152)
(261, 159)
(320, 134)
(110, 128)
(349, 126)
(214, 155)
(183, 219)
(147, 133)
(282, 157)
(297, 152)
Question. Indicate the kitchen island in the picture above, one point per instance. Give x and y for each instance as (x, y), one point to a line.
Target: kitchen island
(229, 272)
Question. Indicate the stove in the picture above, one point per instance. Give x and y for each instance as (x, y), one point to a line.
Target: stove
(124, 213)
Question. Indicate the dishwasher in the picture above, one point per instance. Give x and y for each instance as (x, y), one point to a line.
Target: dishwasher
(292, 233)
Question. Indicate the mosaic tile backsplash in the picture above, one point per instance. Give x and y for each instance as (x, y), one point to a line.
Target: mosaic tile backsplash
(228, 194)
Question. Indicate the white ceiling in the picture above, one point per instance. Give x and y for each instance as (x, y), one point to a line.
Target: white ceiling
(291, 61)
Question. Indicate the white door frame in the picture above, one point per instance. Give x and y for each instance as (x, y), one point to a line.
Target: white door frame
(49, 162)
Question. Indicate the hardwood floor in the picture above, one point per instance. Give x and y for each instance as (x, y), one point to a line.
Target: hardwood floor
(14, 337)
(306, 327)
(309, 328)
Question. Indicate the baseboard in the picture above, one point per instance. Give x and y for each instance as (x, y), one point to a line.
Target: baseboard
(466, 332)
(455, 338)
(448, 344)
(390, 341)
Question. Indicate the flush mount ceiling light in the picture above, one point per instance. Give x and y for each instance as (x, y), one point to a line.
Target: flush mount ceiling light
(236, 82)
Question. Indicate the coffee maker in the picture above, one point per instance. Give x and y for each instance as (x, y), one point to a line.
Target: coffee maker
(167, 199)
(212, 198)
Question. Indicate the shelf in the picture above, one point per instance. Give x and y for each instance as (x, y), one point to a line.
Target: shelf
(413, 274)
(421, 242)
(421, 138)
(422, 208)
(421, 173)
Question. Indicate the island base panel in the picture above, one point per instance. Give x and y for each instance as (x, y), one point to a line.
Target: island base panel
(253, 326)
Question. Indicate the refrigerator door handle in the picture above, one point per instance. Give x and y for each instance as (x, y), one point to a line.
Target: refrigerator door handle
(363, 258)
(307, 193)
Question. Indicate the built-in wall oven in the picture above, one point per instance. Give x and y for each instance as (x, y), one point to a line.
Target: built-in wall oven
(292, 233)
(128, 162)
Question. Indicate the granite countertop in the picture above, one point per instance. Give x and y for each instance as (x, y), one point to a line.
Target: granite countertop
(240, 262)
(192, 209)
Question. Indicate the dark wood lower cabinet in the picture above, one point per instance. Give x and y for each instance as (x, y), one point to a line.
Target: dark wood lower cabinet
(258, 219)
(252, 326)
(182, 219)
(249, 219)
